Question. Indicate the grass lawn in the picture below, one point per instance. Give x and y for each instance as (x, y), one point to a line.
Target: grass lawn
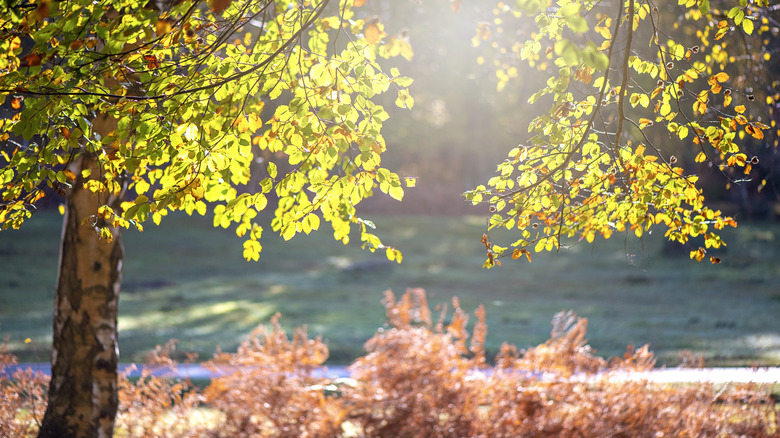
(187, 280)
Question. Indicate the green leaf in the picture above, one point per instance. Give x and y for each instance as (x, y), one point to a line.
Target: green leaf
(568, 52)
(704, 6)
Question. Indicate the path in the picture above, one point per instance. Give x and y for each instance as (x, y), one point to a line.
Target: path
(660, 375)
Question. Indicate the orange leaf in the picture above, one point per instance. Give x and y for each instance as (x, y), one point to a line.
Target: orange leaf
(42, 10)
(69, 174)
(716, 88)
(65, 132)
(372, 32)
(755, 132)
(359, 3)
(151, 62)
(16, 104)
(218, 6)
(32, 60)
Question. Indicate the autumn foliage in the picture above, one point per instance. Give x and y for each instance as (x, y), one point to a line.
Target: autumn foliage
(423, 375)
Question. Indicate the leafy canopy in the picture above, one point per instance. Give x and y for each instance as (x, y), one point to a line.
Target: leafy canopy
(201, 92)
(625, 82)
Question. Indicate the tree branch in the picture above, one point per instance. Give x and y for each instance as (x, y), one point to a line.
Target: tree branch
(217, 84)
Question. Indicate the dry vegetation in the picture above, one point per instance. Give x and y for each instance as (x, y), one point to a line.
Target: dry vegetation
(421, 376)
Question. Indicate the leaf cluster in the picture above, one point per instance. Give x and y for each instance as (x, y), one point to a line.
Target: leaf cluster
(600, 159)
(199, 98)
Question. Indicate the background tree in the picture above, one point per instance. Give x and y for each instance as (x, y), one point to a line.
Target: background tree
(626, 83)
(130, 110)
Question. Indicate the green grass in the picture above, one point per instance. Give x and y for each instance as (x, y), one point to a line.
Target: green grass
(188, 281)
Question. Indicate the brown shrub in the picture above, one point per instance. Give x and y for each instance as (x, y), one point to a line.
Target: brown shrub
(418, 379)
(269, 390)
(158, 404)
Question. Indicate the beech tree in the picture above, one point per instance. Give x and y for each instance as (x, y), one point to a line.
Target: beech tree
(629, 84)
(131, 109)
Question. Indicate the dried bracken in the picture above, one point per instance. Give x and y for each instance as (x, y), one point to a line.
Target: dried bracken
(419, 378)
(269, 390)
(22, 398)
(157, 404)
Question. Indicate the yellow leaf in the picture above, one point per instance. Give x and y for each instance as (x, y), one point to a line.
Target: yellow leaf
(404, 100)
(396, 193)
(721, 77)
(643, 123)
(691, 193)
(698, 254)
(739, 109)
(700, 107)
(255, 122)
(747, 26)
(162, 27)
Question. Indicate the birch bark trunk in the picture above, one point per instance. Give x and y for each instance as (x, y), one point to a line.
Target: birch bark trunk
(83, 395)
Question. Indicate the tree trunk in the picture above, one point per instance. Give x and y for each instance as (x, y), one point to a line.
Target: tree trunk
(83, 396)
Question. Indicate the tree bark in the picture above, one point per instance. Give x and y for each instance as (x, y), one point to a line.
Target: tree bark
(83, 396)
